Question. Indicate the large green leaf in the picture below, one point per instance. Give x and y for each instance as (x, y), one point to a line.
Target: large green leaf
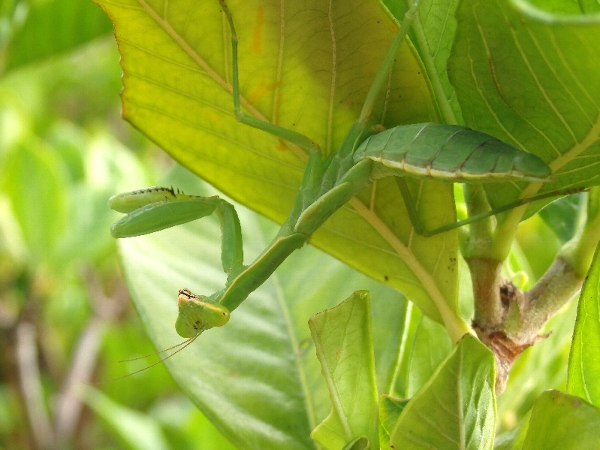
(135, 430)
(257, 378)
(433, 33)
(563, 420)
(523, 75)
(389, 412)
(39, 206)
(42, 29)
(344, 345)
(584, 359)
(563, 7)
(430, 347)
(305, 66)
(456, 408)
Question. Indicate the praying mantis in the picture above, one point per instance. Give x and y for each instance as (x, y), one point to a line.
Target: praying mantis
(428, 151)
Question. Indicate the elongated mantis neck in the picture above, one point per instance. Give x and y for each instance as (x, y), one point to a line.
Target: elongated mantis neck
(254, 275)
(295, 232)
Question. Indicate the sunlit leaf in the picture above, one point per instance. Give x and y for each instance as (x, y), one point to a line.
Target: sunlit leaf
(389, 412)
(44, 29)
(430, 347)
(257, 378)
(135, 430)
(564, 420)
(456, 408)
(303, 66)
(523, 76)
(344, 346)
(433, 33)
(584, 360)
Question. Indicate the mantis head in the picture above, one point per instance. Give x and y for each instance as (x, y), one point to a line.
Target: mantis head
(197, 314)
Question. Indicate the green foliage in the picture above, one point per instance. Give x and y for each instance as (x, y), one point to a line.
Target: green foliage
(456, 408)
(584, 365)
(505, 68)
(137, 430)
(344, 346)
(493, 73)
(165, 75)
(34, 30)
(64, 315)
(262, 361)
(561, 418)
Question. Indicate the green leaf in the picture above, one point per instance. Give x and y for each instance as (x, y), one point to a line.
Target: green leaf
(361, 443)
(432, 33)
(36, 187)
(584, 360)
(186, 427)
(303, 67)
(137, 431)
(389, 411)
(399, 385)
(51, 27)
(456, 408)
(430, 347)
(257, 378)
(344, 345)
(563, 215)
(561, 6)
(514, 439)
(522, 75)
(565, 420)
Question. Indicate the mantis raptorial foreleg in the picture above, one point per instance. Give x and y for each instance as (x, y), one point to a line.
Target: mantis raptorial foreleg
(288, 135)
(352, 139)
(156, 208)
(427, 151)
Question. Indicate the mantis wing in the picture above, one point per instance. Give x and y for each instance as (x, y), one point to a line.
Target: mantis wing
(160, 215)
(450, 153)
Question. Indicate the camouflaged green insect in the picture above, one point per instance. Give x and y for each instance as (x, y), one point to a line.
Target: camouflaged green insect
(432, 151)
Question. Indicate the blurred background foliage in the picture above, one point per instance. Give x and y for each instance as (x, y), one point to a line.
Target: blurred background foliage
(65, 317)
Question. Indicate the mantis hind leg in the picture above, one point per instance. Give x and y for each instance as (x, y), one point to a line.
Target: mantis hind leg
(283, 133)
(421, 230)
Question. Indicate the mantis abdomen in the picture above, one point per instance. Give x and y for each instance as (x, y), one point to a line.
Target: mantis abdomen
(449, 153)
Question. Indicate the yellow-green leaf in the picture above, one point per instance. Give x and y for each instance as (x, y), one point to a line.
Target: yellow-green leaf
(344, 346)
(304, 66)
(562, 420)
(584, 360)
(523, 75)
